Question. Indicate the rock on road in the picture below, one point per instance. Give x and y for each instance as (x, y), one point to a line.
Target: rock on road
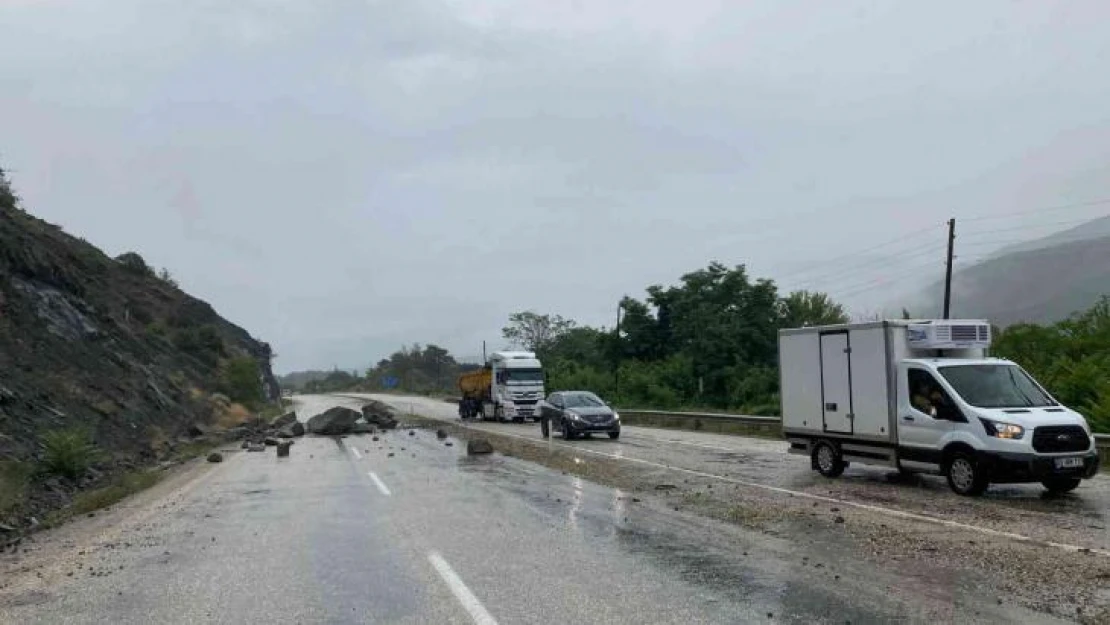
(409, 530)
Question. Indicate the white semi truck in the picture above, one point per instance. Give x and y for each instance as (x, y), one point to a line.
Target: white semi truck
(509, 387)
(922, 396)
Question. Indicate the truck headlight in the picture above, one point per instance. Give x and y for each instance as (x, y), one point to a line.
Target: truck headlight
(999, 429)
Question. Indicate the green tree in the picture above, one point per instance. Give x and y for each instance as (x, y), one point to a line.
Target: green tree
(721, 320)
(807, 308)
(535, 332)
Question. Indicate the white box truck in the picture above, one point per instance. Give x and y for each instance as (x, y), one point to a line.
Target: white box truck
(922, 396)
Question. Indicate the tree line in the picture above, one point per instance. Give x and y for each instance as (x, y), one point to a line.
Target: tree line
(710, 341)
(424, 370)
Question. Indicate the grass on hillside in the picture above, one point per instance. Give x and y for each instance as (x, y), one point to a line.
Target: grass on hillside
(98, 498)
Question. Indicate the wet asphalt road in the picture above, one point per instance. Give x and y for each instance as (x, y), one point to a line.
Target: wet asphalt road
(342, 532)
(1081, 518)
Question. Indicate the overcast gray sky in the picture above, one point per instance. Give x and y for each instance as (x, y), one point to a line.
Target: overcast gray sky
(342, 177)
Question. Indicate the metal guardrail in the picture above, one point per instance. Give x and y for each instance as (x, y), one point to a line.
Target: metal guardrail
(704, 416)
(1101, 440)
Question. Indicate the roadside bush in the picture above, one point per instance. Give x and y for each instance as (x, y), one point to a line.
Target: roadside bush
(241, 380)
(69, 453)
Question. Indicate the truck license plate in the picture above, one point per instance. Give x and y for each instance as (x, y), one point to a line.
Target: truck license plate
(1069, 463)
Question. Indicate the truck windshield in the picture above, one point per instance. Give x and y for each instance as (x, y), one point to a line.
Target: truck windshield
(995, 386)
(524, 375)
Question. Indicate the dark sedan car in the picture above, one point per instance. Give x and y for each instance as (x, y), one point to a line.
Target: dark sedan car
(578, 412)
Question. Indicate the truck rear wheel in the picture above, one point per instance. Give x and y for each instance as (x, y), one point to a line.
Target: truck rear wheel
(827, 459)
(1061, 484)
(965, 476)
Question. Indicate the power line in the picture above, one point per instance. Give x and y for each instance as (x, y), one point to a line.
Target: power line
(1049, 209)
(1071, 222)
(825, 263)
(812, 282)
(875, 282)
(822, 280)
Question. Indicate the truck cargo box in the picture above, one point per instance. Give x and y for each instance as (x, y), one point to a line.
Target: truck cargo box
(838, 380)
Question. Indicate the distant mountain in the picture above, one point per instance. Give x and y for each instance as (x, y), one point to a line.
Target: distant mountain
(1095, 229)
(1039, 281)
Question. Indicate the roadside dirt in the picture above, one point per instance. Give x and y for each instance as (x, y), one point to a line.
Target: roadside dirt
(43, 559)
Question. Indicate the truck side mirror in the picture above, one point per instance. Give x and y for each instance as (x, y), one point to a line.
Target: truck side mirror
(948, 412)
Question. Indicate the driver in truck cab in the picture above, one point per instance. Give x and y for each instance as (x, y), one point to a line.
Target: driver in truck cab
(927, 398)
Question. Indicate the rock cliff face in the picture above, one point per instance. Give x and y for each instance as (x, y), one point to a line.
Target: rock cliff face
(106, 345)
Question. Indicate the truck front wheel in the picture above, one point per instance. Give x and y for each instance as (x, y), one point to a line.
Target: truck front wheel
(827, 459)
(1061, 484)
(965, 476)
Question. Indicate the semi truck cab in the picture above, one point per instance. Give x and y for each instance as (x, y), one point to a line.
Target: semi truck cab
(517, 386)
(922, 396)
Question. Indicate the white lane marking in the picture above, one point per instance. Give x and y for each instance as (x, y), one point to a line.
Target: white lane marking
(902, 514)
(379, 483)
(469, 602)
(354, 451)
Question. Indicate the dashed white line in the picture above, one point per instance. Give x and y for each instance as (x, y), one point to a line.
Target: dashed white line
(354, 451)
(469, 602)
(379, 483)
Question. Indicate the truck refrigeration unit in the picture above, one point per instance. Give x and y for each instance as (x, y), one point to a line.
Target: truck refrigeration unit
(509, 387)
(922, 396)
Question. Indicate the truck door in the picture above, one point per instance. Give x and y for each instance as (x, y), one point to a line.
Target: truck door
(920, 427)
(836, 382)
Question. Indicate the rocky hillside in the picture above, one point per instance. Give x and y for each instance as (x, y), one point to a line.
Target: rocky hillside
(1040, 281)
(101, 344)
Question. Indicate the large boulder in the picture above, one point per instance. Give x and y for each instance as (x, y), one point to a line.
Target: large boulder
(362, 428)
(380, 414)
(284, 420)
(291, 430)
(198, 429)
(338, 420)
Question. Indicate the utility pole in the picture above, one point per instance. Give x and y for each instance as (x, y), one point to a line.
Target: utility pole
(484, 361)
(948, 269)
(617, 356)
